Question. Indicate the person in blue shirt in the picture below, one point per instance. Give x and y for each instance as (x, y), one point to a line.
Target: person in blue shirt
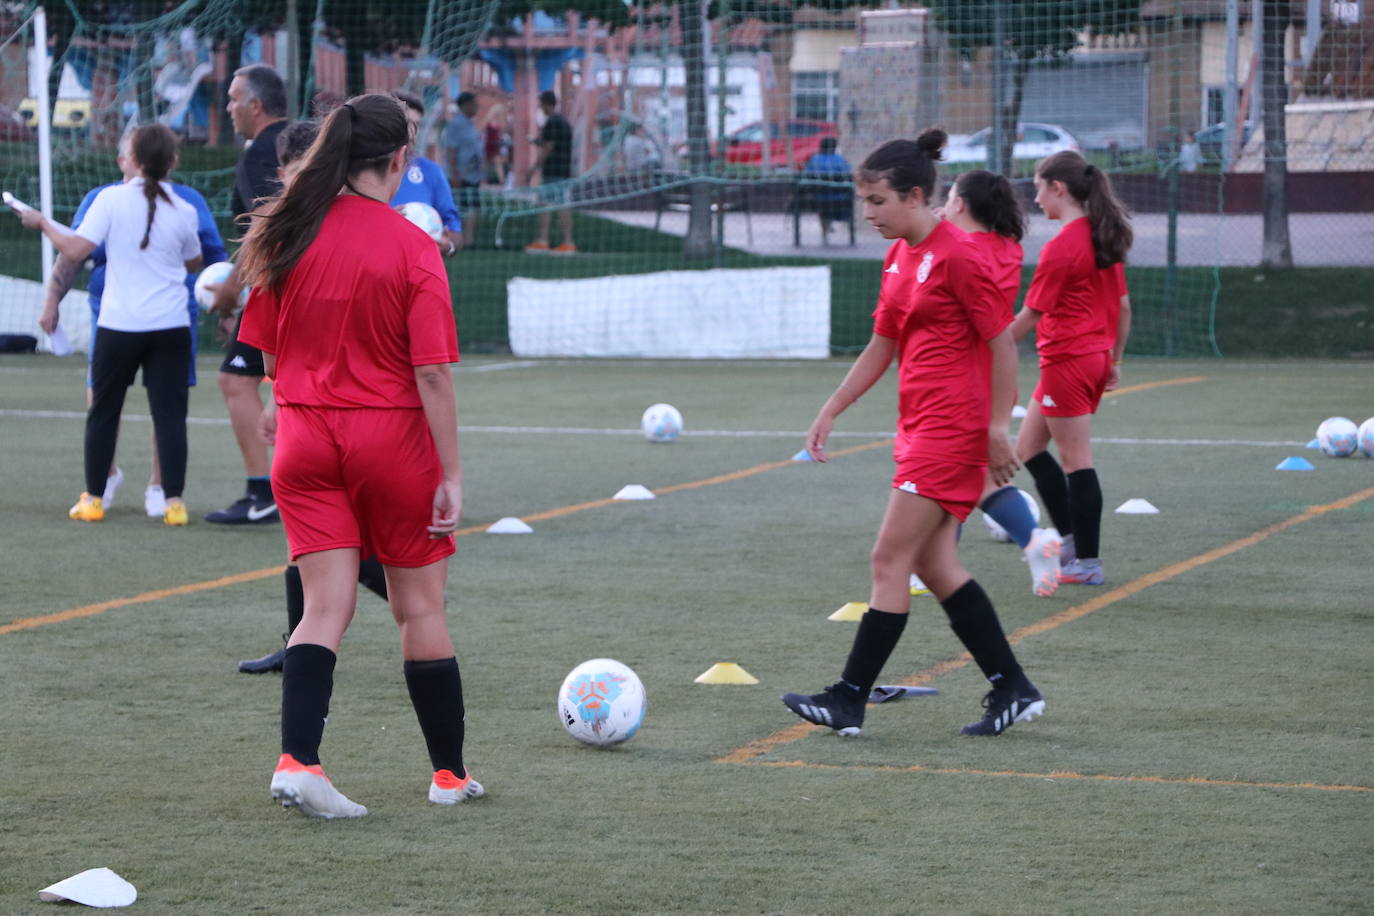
(64, 275)
(835, 204)
(424, 181)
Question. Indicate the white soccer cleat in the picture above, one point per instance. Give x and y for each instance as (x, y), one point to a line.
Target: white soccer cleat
(447, 789)
(154, 501)
(917, 586)
(296, 785)
(1042, 554)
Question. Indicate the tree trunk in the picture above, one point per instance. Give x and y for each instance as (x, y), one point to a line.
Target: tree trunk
(1010, 116)
(355, 47)
(697, 245)
(233, 59)
(1277, 250)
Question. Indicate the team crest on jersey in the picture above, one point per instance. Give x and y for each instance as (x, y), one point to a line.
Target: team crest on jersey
(923, 271)
(415, 175)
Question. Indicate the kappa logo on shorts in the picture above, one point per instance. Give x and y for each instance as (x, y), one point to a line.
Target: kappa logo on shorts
(908, 487)
(238, 362)
(893, 269)
(1048, 401)
(923, 271)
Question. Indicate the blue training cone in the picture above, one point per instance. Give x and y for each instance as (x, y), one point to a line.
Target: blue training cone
(1295, 464)
(1315, 443)
(802, 455)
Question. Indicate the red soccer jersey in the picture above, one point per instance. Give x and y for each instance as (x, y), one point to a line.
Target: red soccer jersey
(367, 303)
(1079, 302)
(1003, 255)
(939, 302)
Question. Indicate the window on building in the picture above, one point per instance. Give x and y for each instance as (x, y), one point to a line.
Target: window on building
(816, 95)
(1213, 105)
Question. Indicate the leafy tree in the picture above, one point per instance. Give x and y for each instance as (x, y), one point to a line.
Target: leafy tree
(1026, 31)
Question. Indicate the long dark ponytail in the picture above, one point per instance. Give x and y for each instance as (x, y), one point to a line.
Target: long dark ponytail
(991, 202)
(154, 148)
(906, 164)
(358, 136)
(1092, 188)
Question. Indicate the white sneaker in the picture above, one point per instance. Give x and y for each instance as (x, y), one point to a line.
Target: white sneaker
(296, 785)
(154, 501)
(1042, 553)
(447, 789)
(112, 484)
(918, 587)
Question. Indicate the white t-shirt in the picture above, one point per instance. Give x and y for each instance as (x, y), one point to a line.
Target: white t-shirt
(145, 288)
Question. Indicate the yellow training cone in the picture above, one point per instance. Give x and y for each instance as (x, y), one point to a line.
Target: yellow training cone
(854, 610)
(726, 673)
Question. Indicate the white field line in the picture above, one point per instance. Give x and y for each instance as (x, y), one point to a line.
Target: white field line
(692, 434)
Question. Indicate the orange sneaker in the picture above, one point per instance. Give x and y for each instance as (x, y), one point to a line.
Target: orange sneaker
(87, 509)
(296, 785)
(537, 247)
(447, 789)
(566, 248)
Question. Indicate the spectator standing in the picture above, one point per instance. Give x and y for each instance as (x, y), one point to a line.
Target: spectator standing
(835, 203)
(554, 163)
(466, 162)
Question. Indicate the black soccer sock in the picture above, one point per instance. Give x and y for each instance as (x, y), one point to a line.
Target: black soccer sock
(1007, 508)
(1053, 490)
(307, 681)
(878, 634)
(260, 488)
(974, 621)
(1085, 506)
(371, 575)
(295, 598)
(436, 692)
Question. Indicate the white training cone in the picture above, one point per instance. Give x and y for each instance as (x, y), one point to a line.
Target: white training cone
(1018, 412)
(634, 491)
(93, 887)
(1136, 507)
(510, 525)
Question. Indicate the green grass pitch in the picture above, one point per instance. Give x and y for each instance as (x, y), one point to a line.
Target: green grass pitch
(1206, 746)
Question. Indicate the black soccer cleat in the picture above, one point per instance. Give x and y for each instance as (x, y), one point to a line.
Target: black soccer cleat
(272, 661)
(837, 706)
(246, 511)
(1004, 707)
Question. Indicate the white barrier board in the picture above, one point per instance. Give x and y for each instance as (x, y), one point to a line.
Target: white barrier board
(778, 312)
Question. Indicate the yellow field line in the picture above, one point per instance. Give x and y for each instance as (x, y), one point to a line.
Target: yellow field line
(749, 753)
(1066, 775)
(90, 610)
(1162, 383)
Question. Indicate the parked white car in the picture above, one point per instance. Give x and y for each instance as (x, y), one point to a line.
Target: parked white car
(1033, 141)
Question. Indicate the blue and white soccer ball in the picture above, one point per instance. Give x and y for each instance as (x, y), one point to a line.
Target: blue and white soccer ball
(1338, 437)
(661, 423)
(216, 273)
(424, 216)
(997, 532)
(602, 702)
(1365, 438)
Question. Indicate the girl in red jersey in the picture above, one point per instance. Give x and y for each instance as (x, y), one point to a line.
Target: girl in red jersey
(1080, 312)
(940, 314)
(982, 204)
(351, 309)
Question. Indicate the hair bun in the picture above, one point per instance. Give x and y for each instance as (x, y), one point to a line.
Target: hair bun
(931, 142)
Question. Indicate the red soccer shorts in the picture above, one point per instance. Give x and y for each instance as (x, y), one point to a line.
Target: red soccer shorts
(358, 477)
(1074, 387)
(956, 487)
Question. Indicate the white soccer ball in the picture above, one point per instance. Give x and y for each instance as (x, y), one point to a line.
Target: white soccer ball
(1365, 438)
(602, 702)
(215, 273)
(424, 216)
(661, 423)
(997, 532)
(1338, 437)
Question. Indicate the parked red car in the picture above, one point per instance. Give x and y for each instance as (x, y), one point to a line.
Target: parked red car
(745, 146)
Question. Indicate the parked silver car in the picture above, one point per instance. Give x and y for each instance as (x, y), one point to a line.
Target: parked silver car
(1033, 141)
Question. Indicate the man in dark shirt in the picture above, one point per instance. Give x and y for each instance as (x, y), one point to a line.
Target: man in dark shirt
(257, 106)
(554, 162)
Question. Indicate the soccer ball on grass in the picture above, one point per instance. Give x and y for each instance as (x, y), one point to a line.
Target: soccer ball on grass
(602, 702)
